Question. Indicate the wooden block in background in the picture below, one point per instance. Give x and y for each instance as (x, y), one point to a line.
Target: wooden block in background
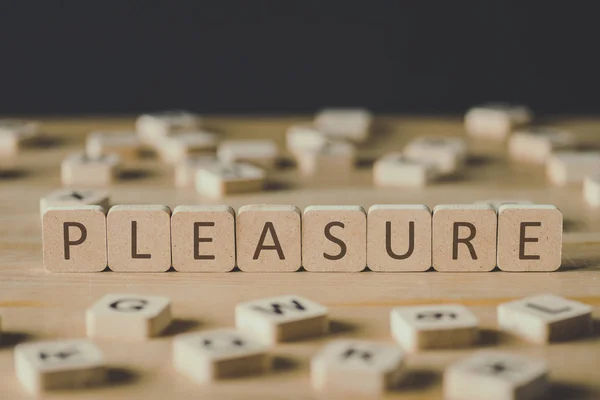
(545, 318)
(496, 120)
(496, 376)
(334, 158)
(304, 138)
(434, 327)
(258, 152)
(396, 170)
(61, 364)
(155, 126)
(178, 147)
(591, 189)
(536, 144)
(399, 237)
(75, 197)
(14, 133)
(126, 145)
(128, 316)
(464, 237)
(218, 180)
(529, 237)
(74, 239)
(282, 319)
(185, 170)
(447, 154)
(567, 167)
(79, 169)
(357, 367)
(269, 238)
(334, 239)
(349, 124)
(216, 354)
(139, 238)
(203, 238)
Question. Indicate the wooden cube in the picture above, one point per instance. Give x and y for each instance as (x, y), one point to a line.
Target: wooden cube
(357, 367)
(218, 180)
(591, 189)
(269, 238)
(350, 123)
(396, 170)
(334, 158)
(75, 197)
(434, 327)
(79, 169)
(282, 318)
(126, 145)
(258, 152)
(529, 237)
(222, 353)
(304, 138)
(128, 316)
(14, 133)
(203, 238)
(536, 144)
(399, 238)
(334, 239)
(185, 170)
(496, 120)
(545, 318)
(464, 237)
(446, 154)
(496, 376)
(567, 167)
(139, 238)
(496, 203)
(177, 147)
(61, 364)
(155, 126)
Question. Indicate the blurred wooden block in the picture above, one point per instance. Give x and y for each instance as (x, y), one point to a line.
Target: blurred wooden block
(79, 169)
(269, 238)
(334, 158)
(572, 167)
(334, 239)
(357, 367)
(591, 189)
(282, 319)
(178, 147)
(396, 170)
(304, 138)
(139, 238)
(222, 353)
(218, 180)
(344, 123)
(75, 197)
(448, 155)
(203, 238)
(536, 144)
(545, 318)
(464, 237)
(185, 170)
(14, 133)
(74, 239)
(61, 364)
(434, 327)
(496, 120)
(496, 203)
(258, 152)
(399, 238)
(155, 126)
(128, 316)
(529, 237)
(496, 376)
(126, 145)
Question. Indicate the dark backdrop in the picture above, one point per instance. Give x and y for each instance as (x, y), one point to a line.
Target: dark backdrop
(296, 56)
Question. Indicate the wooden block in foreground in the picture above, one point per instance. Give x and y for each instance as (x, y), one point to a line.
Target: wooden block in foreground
(529, 237)
(218, 180)
(496, 120)
(350, 123)
(282, 318)
(79, 169)
(75, 197)
(395, 170)
(155, 126)
(222, 353)
(591, 189)
(61, 364)
(464, 237)
(357, 367)
(258, 152)
(399, 238)
(446, 154)
(536, 144)
(269, 238)
(496, 203)
(177, 147)
(14, 133)
(74, 239)
(545, 318)
(139, 238)
(128, 316)
(334, 158)
(334, 238)
(567, 167)
(185, 170)
(434, 327)
(493, 375)
(203, 238)
(125, 144)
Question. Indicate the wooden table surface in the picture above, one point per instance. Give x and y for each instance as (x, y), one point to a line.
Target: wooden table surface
(36, 305)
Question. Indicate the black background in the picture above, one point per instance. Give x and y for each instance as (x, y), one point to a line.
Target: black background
(296, 56)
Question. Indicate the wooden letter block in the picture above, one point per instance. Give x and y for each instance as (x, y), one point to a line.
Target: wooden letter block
(203, 238)
(63, 364)
(496, 203)
(529, 237)
(447, 154)
(269, 238)
(496, 376)
(304, 138)
(218, 180)
(261, 153)
(350, 124)
(572, 167)
(545, 318)
(396, 170)
(464, 237)
(79, 169)
(177, 147)
(535, 145)
(75, 197)
(496, 121)
(434, 327)
(74, 239)
(185, 171)
(591, 189)
(139, 238)
(152, 128)
(334, 239)
(14, 133)
(357, 367)
(128, 316)
(222, 353)
(399, 238)
(334, 158)
(126, 144)
(282, 319)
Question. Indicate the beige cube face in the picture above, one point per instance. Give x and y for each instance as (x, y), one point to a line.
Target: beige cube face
(219, 180)
(75, 197)
(434, 326)
(334, 239)
(258, 152)
(529, 237)
(269, 238)
(304, 138)
(185, 171)
(128, 316)
(79, 169)
(536, 144)
(464, 237)
(125, 144)
(334, 158)
(203, 238)
(591, 189)
(395, 170)
(567, 167)
(496, 376)
(545, 318)
(282, 318)
(447, 155)
(178, 147)
(357, 367)
(348, 124)
(74, 239)
(139, 238)
(399, 238)
(496, 121)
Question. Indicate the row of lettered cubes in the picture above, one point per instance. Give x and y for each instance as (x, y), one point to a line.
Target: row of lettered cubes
(271, 238)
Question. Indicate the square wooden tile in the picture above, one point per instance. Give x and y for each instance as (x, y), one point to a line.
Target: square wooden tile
(258, 152)
(448, 155)
(396, 170)
(185, 170)
(14, 133)
(177, 147)
(536, 144)
(155, 126)
(345, 123)
(75, 197)
(126, 145)
(566, 167)
(334, 158)
(496, 120)
(79, 169)
(304, 138)
(218, 180)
